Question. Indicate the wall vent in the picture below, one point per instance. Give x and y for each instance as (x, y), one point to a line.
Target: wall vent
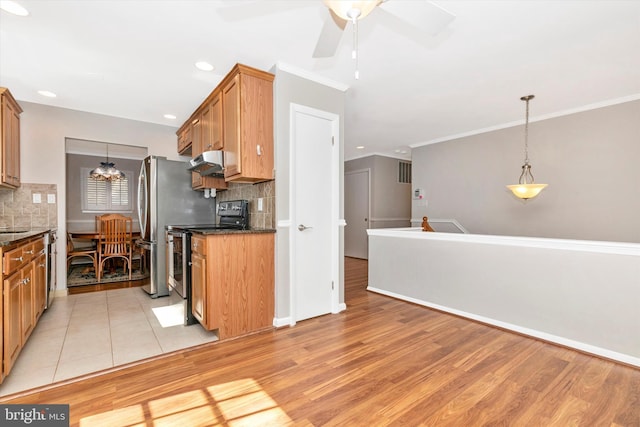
(404, 172)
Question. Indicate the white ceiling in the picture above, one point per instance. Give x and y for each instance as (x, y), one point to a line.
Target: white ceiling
(135, 59)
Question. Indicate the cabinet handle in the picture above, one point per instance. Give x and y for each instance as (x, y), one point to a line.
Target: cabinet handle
(42, 265)
(29, 252)
(259, 150)
(17, 259)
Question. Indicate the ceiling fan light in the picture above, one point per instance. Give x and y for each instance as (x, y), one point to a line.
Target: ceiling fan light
(352, 10)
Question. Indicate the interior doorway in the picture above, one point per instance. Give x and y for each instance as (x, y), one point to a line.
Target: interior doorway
(357, 211)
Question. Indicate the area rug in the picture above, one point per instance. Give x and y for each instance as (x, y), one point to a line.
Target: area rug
(84, 274)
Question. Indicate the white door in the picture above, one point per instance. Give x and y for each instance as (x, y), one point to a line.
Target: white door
(314, 226)
(356, 213)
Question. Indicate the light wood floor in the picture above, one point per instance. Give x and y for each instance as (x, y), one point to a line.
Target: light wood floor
(381, 362)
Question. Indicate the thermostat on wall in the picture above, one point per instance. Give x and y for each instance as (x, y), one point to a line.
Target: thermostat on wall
(417, 194)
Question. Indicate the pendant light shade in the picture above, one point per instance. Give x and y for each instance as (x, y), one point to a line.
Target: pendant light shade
(526, 187)
(107, 171)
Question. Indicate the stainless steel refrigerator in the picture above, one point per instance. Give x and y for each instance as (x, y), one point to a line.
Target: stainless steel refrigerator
(165, 197)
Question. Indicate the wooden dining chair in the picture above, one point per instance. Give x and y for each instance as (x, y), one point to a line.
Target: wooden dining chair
(114, 241)
(72, 252)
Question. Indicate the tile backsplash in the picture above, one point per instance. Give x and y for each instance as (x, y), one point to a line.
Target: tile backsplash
(18, 210)
(252, 192)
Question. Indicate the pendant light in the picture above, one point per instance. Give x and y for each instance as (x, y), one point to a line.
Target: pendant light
(526, 187)
(106, 171)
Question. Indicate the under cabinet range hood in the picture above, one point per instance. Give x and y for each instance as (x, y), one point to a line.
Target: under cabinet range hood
(208, 163)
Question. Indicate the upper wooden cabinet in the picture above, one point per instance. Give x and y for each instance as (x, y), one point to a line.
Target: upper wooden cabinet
(237, 117)
(185, 140)
(247, 120)
(10, 139)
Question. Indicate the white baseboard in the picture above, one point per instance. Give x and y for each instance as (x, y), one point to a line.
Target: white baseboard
(280, 322)
(587, 348)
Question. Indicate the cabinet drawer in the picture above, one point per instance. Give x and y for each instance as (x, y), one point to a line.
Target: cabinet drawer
(38, 246)
(198, 245)
(14, 258)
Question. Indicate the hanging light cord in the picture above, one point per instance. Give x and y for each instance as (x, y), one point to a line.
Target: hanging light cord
(354, 14)
(526, 132)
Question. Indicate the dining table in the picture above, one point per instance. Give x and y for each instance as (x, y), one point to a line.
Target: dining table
(94, 235)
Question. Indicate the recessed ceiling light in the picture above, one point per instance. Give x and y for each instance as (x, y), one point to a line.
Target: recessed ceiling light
(13, 7)
(360, 147)
(47, 93)
(169, 116)
(204, 66)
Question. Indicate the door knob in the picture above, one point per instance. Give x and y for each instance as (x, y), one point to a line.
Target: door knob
(302, 227)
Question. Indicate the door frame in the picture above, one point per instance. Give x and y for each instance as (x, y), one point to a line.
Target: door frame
(334, 175)
(353, 172)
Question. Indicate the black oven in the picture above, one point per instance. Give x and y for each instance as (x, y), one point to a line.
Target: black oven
(179, 267)
(177, 261)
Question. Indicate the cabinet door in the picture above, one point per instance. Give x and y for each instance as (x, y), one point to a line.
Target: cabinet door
(10, 143)
(206, 128)
(231, 126)
(216, 123)
(196, 148)
(198, 289)
(39, 285)
(27, 297)
(14, 159)
(12, 321)
(184, 141)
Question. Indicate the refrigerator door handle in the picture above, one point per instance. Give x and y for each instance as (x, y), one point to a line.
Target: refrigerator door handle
(143, 202)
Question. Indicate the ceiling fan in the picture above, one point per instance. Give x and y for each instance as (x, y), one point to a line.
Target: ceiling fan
(414, 17)
(425, 16)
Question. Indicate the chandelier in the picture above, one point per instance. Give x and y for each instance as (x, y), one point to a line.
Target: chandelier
(526, 187)
(107, 171)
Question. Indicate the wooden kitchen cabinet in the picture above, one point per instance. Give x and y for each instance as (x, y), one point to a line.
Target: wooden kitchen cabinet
(27, 295)
(196, 148)
(184, 140)
(24, 294)
(12, 322)
(247, 122)
(199, 279)
(205, 133)
(238, 283)
(9, 139)
(237, 117)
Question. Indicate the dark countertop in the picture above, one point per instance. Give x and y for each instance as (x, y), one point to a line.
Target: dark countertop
(206, 232)
(9, 237)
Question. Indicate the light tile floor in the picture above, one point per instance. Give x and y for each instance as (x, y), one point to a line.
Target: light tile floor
(85, 333)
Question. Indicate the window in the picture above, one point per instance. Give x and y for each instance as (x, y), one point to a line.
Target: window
(106, 196)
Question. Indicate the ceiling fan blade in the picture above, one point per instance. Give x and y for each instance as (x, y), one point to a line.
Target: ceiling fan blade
(330, 36)
(422, 14)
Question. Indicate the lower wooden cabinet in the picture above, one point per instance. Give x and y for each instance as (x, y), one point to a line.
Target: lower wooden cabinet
(12, 322)
(234, 276)
(24, 297)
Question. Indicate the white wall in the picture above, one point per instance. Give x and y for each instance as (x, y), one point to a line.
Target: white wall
(580, 294)
(43, 130)
(589, 159)
(292, 88)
